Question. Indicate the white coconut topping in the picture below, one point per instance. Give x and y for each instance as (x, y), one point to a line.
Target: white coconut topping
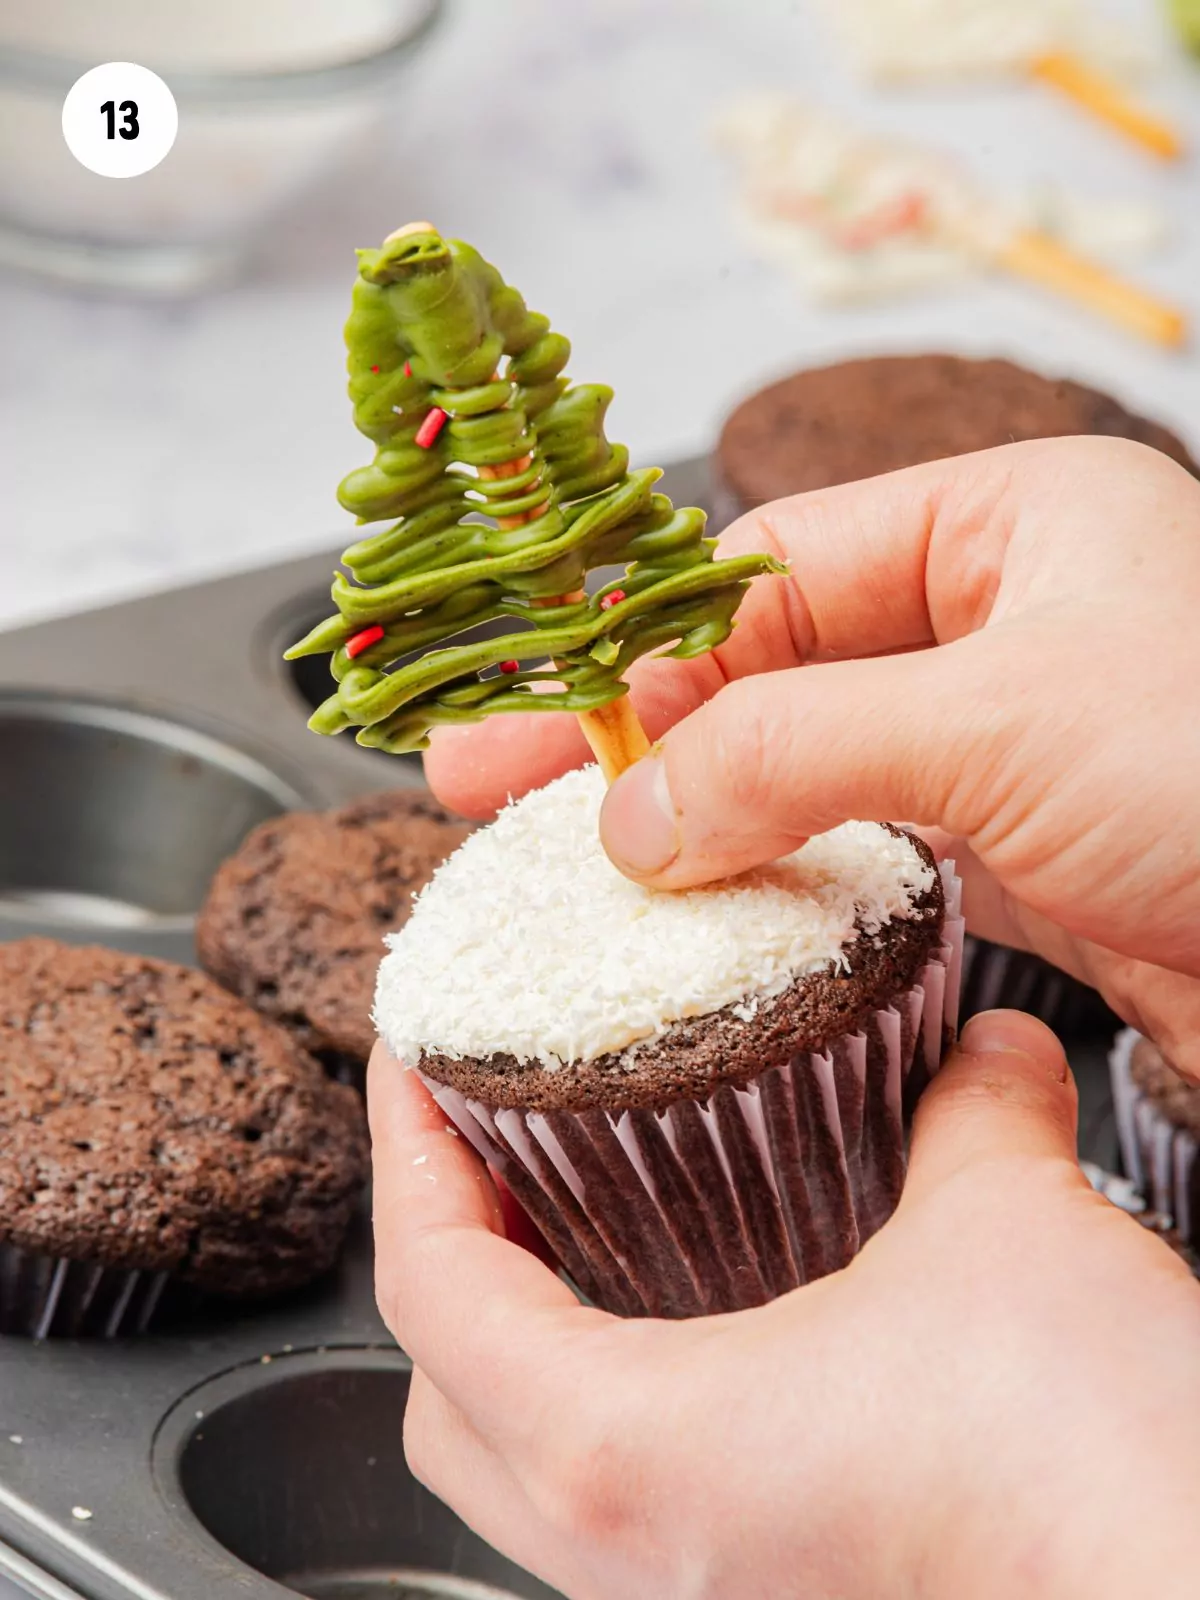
(529, 942)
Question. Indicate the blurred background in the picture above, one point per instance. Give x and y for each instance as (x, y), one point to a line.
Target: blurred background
(172, 399)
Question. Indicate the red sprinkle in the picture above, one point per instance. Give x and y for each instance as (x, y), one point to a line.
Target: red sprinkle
(613, 599)
(510, 666)
(894, 216)
(364, 640)
(435, 421)
(374, 369)
(408, 369)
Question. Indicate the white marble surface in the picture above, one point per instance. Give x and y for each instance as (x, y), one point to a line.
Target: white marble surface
(146, 445)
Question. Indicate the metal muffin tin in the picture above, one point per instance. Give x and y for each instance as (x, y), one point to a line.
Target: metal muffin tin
(114, 818)
(243, 1453)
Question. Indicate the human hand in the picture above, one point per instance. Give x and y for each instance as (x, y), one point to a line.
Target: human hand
(1049, 743)
(996, 1398)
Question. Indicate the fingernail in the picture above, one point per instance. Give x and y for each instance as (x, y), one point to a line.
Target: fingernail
(1013, 1030)
(639, 823)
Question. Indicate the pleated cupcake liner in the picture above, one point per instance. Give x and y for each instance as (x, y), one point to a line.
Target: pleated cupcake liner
(1158, 1157)
(994, 975)
(44, 1297)
(715, 1205)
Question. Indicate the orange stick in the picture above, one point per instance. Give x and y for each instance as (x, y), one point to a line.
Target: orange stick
(616, 736)
(1108, 101)
(1041, 259)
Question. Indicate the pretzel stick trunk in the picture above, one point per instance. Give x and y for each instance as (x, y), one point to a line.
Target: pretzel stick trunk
(616, 736)
(1108, 101)
(1041, 259)
(614, 733)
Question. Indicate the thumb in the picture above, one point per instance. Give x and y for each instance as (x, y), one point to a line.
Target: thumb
(1005, 1091)
(776, 758)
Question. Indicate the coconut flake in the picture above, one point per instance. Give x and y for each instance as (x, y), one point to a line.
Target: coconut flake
(529, 942)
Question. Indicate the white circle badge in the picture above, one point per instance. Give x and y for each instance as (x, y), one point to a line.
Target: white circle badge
(119, 119)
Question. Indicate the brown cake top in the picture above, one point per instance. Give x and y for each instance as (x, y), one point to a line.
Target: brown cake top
(857, 419)
(294, 922)
(150, 1120)
(1175, 1097)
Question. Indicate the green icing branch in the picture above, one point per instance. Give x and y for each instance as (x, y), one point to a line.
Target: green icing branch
(507, 493)
(1185, 14)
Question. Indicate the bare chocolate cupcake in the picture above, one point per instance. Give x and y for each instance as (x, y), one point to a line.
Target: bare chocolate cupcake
(153, 1128)
(697, 1096)
(294, 922)
(1158, 1123)
(857, 419)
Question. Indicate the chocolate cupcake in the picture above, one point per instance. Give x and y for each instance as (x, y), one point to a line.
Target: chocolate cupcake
(697, 1096)
(294, 922)
(1158, 1125)
(155, 1130)
(858, 419)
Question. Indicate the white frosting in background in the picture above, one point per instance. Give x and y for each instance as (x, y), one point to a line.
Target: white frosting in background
(529, 942)
(956, 38)
(851, 216)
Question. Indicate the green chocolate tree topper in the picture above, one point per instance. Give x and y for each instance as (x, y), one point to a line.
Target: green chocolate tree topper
(506, 493)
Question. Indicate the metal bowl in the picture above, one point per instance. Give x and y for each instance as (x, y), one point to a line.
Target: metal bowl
(113, 820)
(298, 1470)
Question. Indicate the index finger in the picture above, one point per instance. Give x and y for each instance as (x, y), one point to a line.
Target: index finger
(468, 1306)
(860, 584)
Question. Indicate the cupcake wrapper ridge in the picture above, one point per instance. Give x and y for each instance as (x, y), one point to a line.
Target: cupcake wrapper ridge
(716, 1205)
(994, 975)
(1159, 1157)
(43, 1297)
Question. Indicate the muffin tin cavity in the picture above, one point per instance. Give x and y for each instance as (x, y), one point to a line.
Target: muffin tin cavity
(113, 819)
(298, 1470)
